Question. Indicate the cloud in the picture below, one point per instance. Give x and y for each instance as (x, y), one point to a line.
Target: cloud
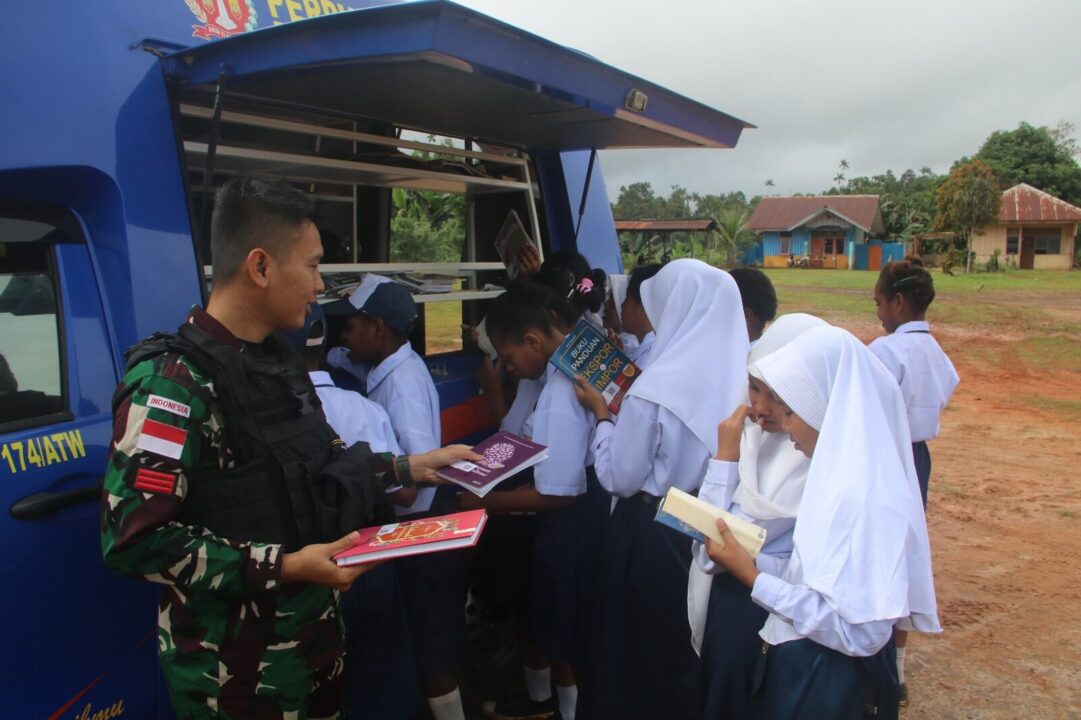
(883, 85)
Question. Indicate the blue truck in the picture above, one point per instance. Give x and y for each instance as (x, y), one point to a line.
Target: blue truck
(120, 119)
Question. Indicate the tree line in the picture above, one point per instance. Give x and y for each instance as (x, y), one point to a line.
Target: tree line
(912, 202)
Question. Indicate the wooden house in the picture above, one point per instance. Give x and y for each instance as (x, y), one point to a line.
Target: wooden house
(1035, 230)
(827, 229)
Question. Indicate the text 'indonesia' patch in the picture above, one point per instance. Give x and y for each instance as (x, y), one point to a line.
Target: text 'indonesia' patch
(162, 439)
(172, 406)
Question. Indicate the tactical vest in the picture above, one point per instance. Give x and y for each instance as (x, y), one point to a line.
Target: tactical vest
(275, 428)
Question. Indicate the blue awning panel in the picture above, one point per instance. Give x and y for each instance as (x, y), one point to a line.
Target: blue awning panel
(435, 66)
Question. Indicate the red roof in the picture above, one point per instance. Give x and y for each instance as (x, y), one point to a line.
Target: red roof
(1025, 204)
(788, 213)
(665, 225)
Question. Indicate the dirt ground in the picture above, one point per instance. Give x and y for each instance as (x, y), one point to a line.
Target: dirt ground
(1004, 515)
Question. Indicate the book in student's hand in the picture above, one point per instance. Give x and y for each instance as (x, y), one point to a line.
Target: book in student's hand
(697, 518)
(415, 537)
(588, 352)
(505, 454)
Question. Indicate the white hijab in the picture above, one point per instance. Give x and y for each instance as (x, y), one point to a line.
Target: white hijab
(617, 286)
(772, 472)
(696, 370)
(861, 535)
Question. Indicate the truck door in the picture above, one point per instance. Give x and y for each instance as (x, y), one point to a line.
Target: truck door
(78, 640)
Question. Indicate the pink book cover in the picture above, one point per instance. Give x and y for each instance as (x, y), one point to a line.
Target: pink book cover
(505, 454)
(415, 537)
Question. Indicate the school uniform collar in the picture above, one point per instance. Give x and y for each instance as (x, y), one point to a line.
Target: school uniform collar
(321, 378)
(914, 326)
(380, 371)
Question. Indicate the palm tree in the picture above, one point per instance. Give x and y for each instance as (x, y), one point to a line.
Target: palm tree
(733, 235)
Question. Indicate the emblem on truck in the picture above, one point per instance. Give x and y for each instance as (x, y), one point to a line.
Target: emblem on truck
(222, 18)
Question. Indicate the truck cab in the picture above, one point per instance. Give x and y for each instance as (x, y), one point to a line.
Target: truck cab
(123, 118)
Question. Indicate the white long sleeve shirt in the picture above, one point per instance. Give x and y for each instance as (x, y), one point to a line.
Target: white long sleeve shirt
(648, 449)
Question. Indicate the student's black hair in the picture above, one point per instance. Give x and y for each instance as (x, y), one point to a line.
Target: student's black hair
(638, 276)
(251, 212)
(910, 278)
(757, 292)
(525, 306)
(565, 272)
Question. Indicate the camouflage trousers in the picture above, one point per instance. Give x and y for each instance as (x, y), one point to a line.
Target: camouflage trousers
(317, 695)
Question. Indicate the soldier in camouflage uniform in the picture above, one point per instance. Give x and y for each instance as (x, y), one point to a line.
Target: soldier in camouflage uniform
(246, 629)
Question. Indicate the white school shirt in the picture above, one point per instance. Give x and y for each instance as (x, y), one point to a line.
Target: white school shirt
(650, 451)
(403, 386)
(354, 417)
(525, 400)
(640, 355)
(718, 489)
(560, 423)
(924, 372)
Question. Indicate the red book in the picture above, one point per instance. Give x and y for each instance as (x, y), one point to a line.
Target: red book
(415, 537)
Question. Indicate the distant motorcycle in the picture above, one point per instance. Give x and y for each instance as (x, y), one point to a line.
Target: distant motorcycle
(796, 261)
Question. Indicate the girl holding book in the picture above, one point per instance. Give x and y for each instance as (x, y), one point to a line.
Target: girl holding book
(861, 561)
(526, 325)
(663, 437)
(763, 483)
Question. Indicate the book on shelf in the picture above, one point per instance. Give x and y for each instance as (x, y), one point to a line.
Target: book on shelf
(505, 454)
(415, 537)
(698, 519)
(588, 352)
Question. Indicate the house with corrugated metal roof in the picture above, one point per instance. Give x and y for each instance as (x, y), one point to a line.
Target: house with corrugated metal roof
(1035, 230)
(827, 230)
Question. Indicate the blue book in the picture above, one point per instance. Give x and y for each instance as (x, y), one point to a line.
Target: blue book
(588, 352)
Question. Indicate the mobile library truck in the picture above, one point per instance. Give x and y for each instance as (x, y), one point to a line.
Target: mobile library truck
(121, 118)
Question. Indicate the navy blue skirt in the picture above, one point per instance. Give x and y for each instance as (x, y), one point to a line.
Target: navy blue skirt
(802, 680)
(380, 672)
(643, 663)
(434, 590)
(922, 457)
(556, 577)
(730, 650)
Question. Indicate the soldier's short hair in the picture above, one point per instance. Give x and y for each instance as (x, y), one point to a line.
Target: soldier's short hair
(255, 212)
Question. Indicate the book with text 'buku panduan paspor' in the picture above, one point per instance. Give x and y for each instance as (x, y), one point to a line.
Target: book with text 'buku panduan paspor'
(698, 519)
(415, 537)
(505, 454)
(588, 352)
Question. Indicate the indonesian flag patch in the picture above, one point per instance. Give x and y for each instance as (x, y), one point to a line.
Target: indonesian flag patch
(162, 439)
(155, 481)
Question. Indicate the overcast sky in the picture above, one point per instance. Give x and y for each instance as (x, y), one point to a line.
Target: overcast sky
(899, 84)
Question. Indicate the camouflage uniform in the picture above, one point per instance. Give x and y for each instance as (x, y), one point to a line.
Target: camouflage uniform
(234, 641)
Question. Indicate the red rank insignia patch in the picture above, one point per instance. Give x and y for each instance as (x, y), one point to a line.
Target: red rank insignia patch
(155, 481)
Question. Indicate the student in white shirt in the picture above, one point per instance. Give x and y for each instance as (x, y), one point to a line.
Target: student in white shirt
(663, 437)
(380, 315)
(927, 377)
(380, 677)
(861, 561)
(526, 325)
(765, 487)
